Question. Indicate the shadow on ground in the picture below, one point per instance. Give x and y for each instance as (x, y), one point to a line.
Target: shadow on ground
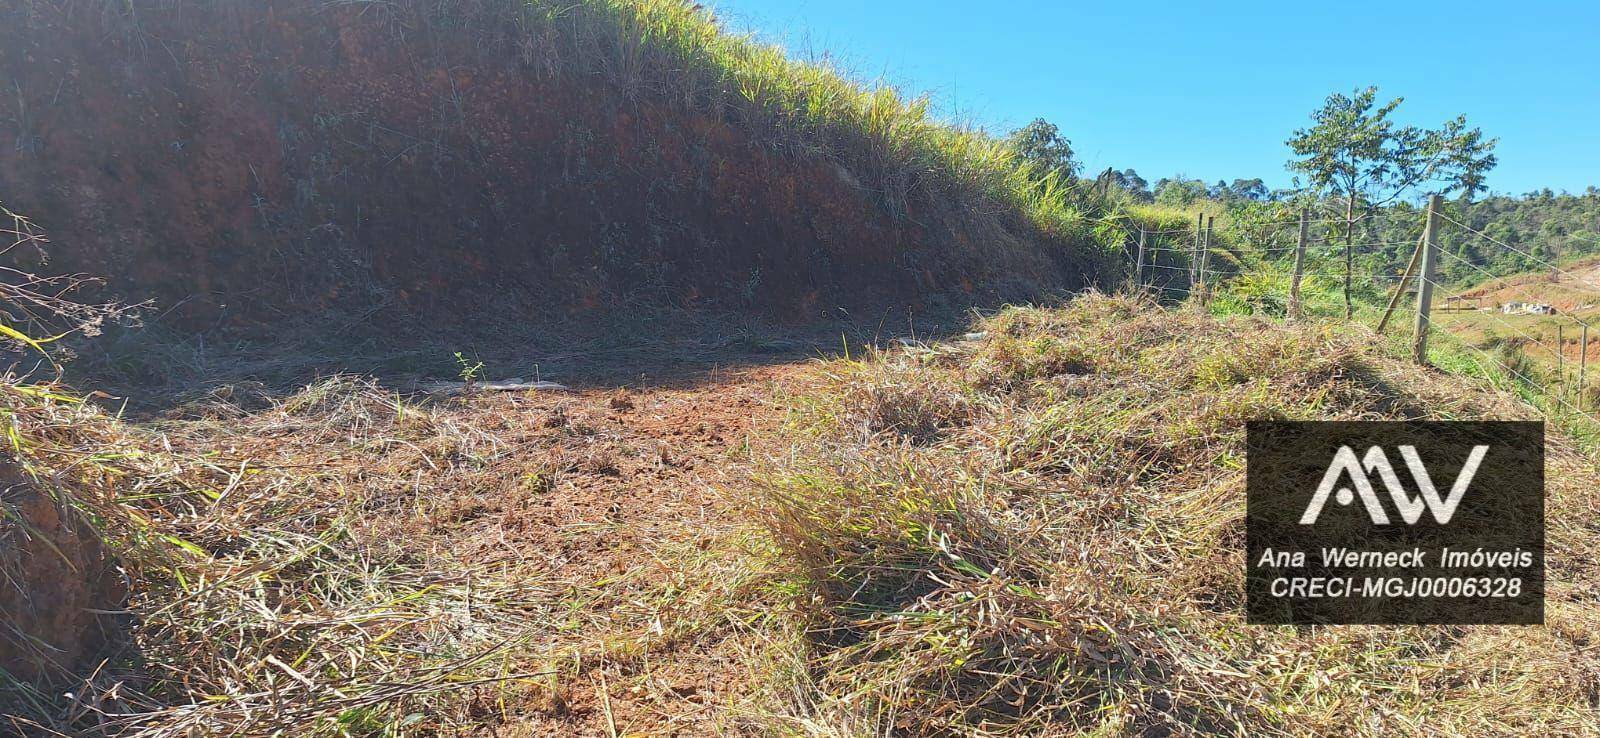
(156, 370)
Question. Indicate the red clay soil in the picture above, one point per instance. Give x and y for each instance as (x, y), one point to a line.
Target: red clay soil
(54, 576)
(1576, 289)
(615, 507)
(251, 164)
(636, 473)
(677, 491)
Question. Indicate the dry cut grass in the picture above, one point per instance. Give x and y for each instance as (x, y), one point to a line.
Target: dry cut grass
(1041, 533)
(257, 604)
(1038, 532)
(345, 561)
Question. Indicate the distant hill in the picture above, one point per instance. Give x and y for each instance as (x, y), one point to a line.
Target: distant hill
(1574, 290)
(1531, 230)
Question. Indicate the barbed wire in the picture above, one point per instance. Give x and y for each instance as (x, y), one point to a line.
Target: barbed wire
(1169, 287)
(1340, 220)
(1270, 248)
(1523, 334)
(1327, 275)
(1491, 275)
(1515, 250)
(1525, 378)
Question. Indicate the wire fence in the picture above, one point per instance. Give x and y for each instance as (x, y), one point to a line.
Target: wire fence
(1542, 347)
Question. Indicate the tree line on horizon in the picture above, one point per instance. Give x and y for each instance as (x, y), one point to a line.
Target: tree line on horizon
(1361, 172)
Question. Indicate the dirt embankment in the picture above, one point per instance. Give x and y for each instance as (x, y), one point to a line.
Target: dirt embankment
(251, 163)
(58, 583)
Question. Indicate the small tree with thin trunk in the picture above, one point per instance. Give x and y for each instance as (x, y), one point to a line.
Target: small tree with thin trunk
(1357, 156)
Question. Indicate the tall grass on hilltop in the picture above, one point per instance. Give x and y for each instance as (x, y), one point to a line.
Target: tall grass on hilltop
(677, 49)
(1040, 532)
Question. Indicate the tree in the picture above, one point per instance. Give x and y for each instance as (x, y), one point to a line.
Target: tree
(1179, 191)
(1041, 146)
(1240, 189)
(1248, 189)
(1355, 153)
(1130, 182)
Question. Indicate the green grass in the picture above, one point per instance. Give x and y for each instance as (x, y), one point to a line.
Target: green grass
(892, 140)
(679, 44)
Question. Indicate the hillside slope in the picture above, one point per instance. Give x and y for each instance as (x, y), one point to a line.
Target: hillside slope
(251, 163)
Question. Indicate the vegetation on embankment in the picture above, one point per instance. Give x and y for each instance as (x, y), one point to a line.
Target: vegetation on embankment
(1043, 530)
(260, 163)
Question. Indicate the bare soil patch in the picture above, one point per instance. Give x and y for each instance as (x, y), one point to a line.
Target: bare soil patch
(610, 507)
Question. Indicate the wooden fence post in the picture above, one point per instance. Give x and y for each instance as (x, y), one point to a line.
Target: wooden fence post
(1205, 263)
(1561, 359)
(1138, 269)
(1194, 257)
(1430, 255)
(1400, 289)
(1583, 363)
(1299, 268)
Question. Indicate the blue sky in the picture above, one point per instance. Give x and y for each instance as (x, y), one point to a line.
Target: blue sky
(1213, 91)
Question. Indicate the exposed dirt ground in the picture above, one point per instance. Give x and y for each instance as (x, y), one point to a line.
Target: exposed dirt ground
(586, 553)
(627, 558)
(602, 518)
(1575, 290)
(642, 477)
(1575, 295)
(566, 562)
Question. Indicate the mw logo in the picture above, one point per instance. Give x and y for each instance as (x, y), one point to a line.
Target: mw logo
(1376, 461)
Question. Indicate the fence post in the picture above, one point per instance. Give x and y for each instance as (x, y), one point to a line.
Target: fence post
(1583, 363)
(1194, 257)
(1138, 269)
(1400, 289)
(1561, 360)
(1430, 255)
(1299, 268)
(1205, 263)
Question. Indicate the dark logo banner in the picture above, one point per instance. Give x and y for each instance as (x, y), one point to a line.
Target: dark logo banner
(1395, 522)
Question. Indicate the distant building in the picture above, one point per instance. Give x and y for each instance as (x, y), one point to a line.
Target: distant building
(1527, 308)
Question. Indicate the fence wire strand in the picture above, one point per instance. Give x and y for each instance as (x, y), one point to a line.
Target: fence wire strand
(1204, 281)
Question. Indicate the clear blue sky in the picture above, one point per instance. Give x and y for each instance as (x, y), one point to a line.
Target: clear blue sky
(1212, 90)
